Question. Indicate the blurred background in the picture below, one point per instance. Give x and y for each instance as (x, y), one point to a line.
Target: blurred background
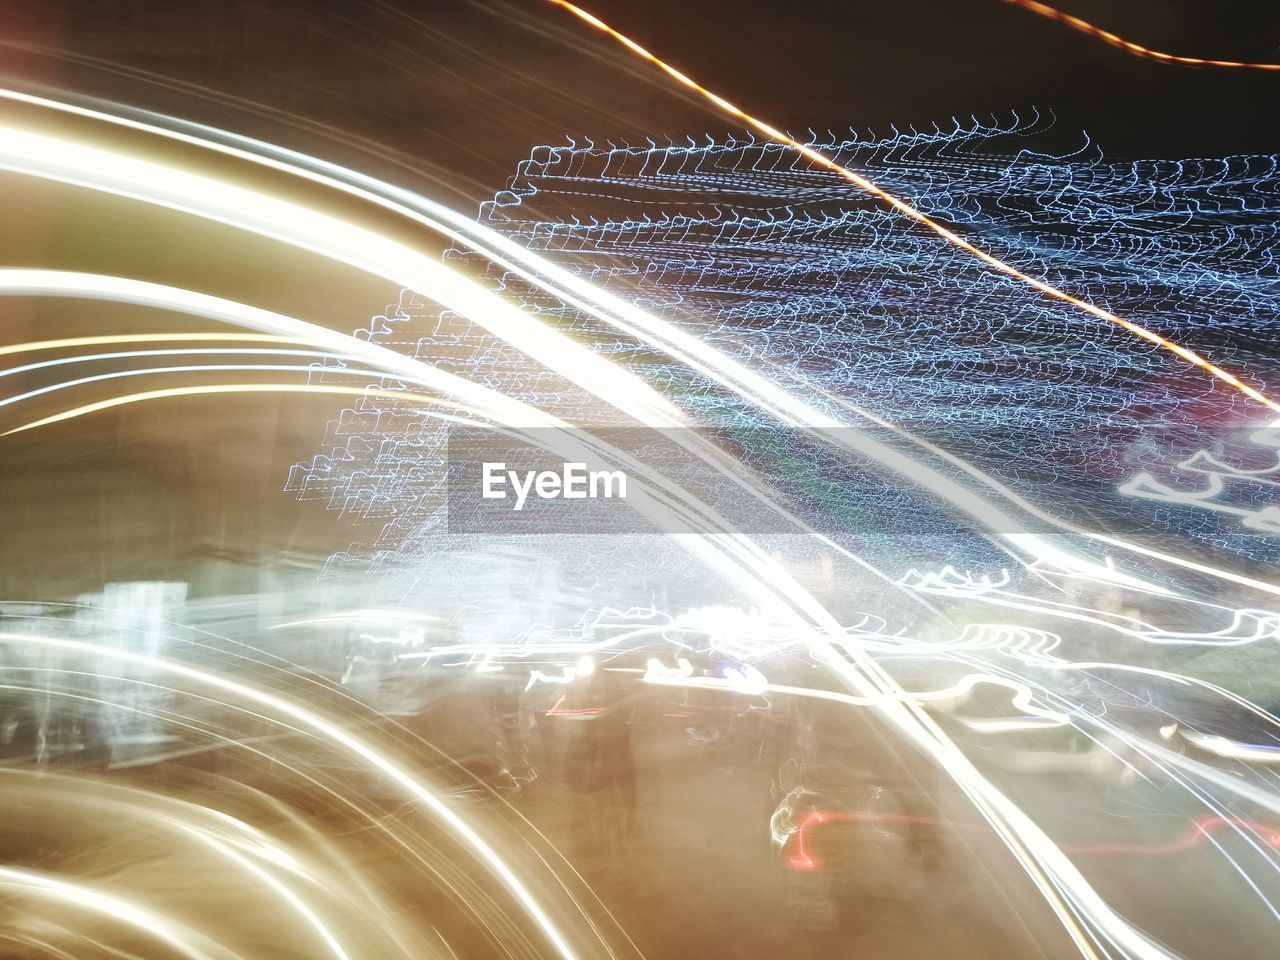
(273, 719)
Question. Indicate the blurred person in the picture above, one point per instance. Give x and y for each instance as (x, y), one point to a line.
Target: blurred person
(599, 760)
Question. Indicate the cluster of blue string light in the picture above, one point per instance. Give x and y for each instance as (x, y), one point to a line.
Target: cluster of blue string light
(798, 274)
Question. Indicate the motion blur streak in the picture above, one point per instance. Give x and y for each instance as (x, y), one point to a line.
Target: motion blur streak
(186, 942)
(922, 218)
(306, 229)
(333, 733)
(38, 346)
(212, 368)
(346, 702)
(124, 290)
(215, 389)
(495, 404)
(578, 292)
(1022, 694)
(1006, 493)
(229, 838)
(139, 354)
(1066, 890)
(1129, 46)
(1198, 832)
(71, 162)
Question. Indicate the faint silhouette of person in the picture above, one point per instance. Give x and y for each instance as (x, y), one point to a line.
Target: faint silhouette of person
(601, 762)
(21, 724)
(616, 758)
(508, 738)
(94, 740)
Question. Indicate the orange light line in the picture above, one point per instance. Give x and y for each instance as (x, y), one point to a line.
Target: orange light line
(920, 217)
(1129, 46)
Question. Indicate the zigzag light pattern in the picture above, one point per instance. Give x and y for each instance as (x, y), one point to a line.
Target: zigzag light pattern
(789, 270)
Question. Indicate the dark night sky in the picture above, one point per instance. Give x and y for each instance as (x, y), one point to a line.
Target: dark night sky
(464, 89)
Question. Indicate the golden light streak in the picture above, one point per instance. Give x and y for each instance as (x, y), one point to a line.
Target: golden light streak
(662, 502)
(1137, 49)
(567, 287)
(356, 616)
(22, 282)
(289, 896)
(37, 346)
(185, 941)
(25, 282)
(335, 734)
(901, 206)
(573, 290)
(69, 162)
(217, 388)
(231, 839)
(1046, 865)
(1050, 871)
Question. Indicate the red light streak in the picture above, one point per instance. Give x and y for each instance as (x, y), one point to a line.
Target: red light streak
(801, 859)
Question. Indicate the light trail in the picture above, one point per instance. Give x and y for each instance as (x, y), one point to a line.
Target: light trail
(214, 389)
(672, 503)
(905, 208)
(1198, 832)
(682, 676)
(640, 245)
(1013, 642)
(185, 941)
(1137, 49)
(68, 161)
(573, 290)
(1007, 493)
(1260, 515)
(229, 838)
(327, 730)
(356, 616)
(19, 282)
(647, 403)
(188, 352)
(1069, 894)
(71, 162)
(1264, 624)
(186, 368)
(658, 499)
(635, 396)
(38, 346)
(1228, 749)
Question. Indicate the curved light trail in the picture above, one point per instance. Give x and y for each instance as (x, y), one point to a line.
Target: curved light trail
(413, 786)
(578, 292)
(215, 389)
(38, 346)
(1128, 46)
(1087, 917)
